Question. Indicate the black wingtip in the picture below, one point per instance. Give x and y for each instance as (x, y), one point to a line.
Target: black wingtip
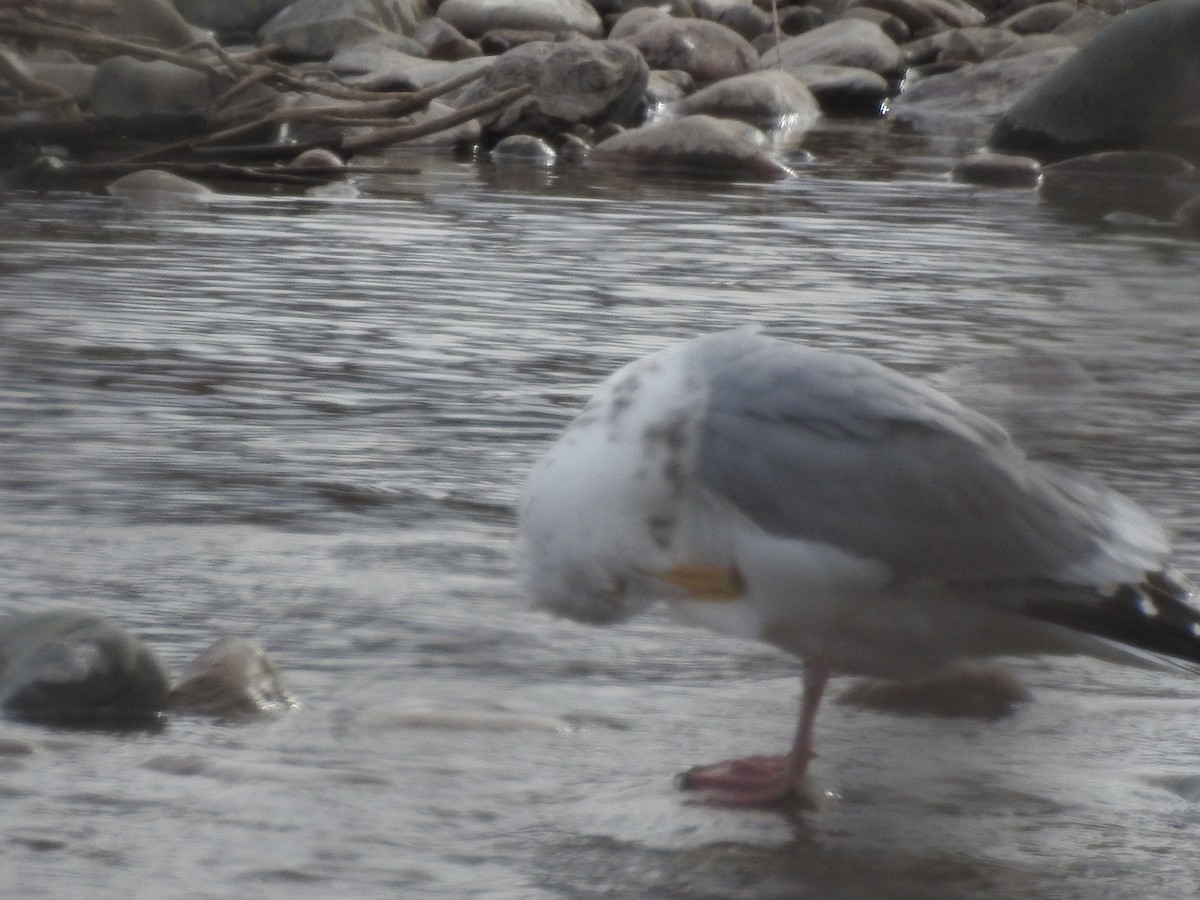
(1153, 615)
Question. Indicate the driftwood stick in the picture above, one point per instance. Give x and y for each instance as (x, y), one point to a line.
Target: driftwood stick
(45, 95)
(401, 133)
(91, 40)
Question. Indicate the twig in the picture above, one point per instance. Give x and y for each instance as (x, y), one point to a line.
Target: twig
(95, 41)
(401, 133)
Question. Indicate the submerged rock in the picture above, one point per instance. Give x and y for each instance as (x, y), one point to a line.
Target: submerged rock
(974, 690)
(154, 189)
(998, 170)
(523, 149)
(1156, 185)
(77, 667)
(233, 678)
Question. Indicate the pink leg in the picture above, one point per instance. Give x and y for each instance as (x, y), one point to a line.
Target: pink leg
(767, 780)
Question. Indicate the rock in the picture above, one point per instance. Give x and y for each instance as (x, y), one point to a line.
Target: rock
(1126, 89)
(696, 145)
(154, 188)
(997, 170)
(634, 20)
(925, 17)
(1084, 25)
(232, 678)
(916, 15)
(666, 87)
(577, 82)
(840, 89)
(854, 43)
(72, 78)
(973, 96)
(1040, 19)
(973, 45)
(153, 22)
(800, 19)
(126, 88)
(975, 690)
(499, 41)
(1157, 185)
(523, 149)
(614, 9)
(770, 100)
(229, 16)
(318, 158)
(474, 18)
(316, 29)
(894, 28)
(705, 50)
(740, 15)
(443, 41)
(77, 667)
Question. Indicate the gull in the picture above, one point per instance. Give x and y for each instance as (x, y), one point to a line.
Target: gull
(850, 515)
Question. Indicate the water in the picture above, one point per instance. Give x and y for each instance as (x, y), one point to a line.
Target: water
(308, 422)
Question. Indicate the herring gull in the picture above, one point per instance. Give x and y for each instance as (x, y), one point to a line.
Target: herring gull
(855, 517)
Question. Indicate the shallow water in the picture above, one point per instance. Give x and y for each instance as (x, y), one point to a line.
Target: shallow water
(308, 422)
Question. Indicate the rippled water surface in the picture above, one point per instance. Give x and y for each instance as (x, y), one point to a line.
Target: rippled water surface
(308, 422)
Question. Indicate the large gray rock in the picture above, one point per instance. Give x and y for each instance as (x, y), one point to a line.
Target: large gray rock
(475, 17)
(316, 29)
(854, 43)
(973, 96)
(694, 145)
(125, 88)
(573, 83)
(705, 50)
(76, 667)
(1134, 86)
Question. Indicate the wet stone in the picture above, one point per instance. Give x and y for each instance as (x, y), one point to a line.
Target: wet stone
(707, 51)
(78, 668)
(767, 99)
(997, 170)
(232, 678)
(1126, 89)
(854, 43)
(475, 18)
(697, 145)
(523, 149)
(1156, 185)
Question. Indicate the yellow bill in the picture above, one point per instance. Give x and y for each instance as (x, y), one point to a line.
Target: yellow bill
(715, 584)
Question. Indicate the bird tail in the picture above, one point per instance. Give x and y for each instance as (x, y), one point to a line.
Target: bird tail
(1153, 616)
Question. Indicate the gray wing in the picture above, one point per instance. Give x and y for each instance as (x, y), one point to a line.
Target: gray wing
(835, 448)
